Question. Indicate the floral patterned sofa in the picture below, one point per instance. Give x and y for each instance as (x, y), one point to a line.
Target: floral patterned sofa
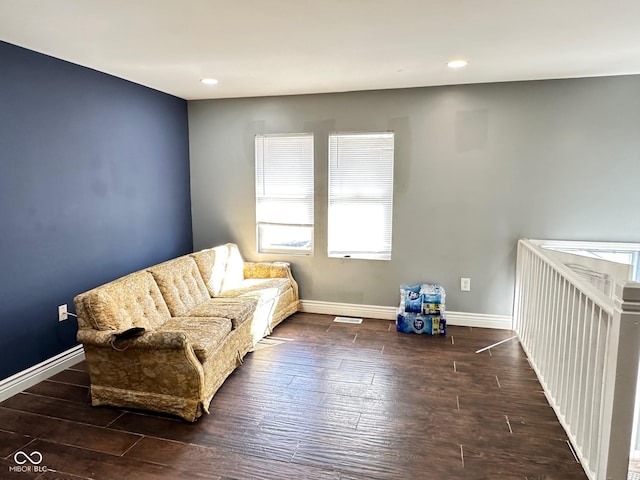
(201, 314)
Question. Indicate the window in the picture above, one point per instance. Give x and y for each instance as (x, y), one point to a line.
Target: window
(360, 195)
(284, 193)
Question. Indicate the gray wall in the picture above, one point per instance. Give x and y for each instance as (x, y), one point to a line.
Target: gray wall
(476, 168)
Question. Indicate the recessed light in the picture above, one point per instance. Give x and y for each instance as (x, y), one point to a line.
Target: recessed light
(457, 63)
(209, 81)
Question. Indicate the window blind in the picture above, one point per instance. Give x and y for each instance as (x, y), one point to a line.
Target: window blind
(360, 207)
(284, 193)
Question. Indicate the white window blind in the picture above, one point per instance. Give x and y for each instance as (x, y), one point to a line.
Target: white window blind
(284, 193)
(360, 195)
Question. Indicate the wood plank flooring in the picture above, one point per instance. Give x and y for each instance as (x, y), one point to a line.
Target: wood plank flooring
(318, 400)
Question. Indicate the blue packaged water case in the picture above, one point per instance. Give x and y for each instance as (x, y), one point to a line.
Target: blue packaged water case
(411, 298)
(432, 293)
(433, 296)
(419, 323)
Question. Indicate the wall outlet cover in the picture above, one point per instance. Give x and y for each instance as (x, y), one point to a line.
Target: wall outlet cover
(62, 312)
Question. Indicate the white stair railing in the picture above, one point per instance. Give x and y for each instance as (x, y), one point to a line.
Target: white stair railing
(584, 347)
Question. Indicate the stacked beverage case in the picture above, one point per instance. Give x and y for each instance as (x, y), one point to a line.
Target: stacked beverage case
(422, 310)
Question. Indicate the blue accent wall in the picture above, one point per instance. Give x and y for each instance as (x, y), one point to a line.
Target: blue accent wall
(94, 184)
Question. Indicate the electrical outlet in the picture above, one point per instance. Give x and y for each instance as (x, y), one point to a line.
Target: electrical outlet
(465, 284)
(62, 312)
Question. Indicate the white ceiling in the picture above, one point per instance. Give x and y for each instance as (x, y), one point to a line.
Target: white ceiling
(279, 47)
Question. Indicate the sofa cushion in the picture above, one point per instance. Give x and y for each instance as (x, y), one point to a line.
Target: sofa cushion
(212, 264)
(238, 310)
(204, 334)
(181, 284)
(251, 285)
(131, 301)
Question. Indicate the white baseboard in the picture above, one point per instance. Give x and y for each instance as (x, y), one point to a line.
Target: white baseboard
(43, 370)
(348, 309)
(479, 320)
(463, 319)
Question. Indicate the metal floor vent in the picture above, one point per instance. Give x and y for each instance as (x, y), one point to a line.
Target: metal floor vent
(347, 320)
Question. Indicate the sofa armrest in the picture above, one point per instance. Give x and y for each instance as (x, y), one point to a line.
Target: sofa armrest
(147, 341)
(162, 363)
(270, 270)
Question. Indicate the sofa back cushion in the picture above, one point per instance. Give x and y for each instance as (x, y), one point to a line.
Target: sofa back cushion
(181, 284)
(212, 263)
(222, 268)
(234, 273)
(131, 301)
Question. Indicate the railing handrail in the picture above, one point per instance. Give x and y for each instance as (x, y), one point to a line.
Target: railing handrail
(588, 245)
(599, 298)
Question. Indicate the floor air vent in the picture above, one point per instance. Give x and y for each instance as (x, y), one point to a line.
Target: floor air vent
(347, 320)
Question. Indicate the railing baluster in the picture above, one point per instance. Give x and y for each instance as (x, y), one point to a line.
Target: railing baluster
(564, 328)
(578, 416)
(557, 395)
(547, 335)
(543, 317)
(594, 418)
(573, 356)
(587, 402)
(553, 325)
(533, 315)
(555, 338)
(565, 388)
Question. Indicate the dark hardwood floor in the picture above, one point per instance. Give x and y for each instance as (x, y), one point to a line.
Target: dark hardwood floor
(318, 400)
